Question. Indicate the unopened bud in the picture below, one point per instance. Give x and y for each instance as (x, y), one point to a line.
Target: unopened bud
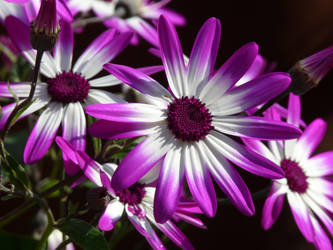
(98, 198)
(307, 73)
(45, 28)
(128, 8)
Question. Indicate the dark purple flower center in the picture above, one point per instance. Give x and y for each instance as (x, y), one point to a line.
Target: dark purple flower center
(189, 119)
(295, 176)
(132, 195)
(68, 87)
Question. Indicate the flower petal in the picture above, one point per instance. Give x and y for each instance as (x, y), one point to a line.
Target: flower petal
(250, 94)
(142, 158)
(102, 97)
(203, 54)
(243, 157)
(255, 127)
(228, 74)
(21, 89)
(199, 180)
(43, 133)
(111, 215)
(169, 185)
(321, 241)
(273, 205)
(90, 168)
(294, 110)
(144, 29)
(310, 139)
(63, 51)
(105, 81)
(256, 69)
(319, 165)
(260, 148)
(172, 57)
(229, 181)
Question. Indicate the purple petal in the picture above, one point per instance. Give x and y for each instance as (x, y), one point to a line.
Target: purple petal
(64, 11)
(67, 149)
(100, 42)
(321, 240)
(126, 112)
(173, 16)
(64, 47)
(43, 133)
(251, 94)
(138, 80)
(172, 57)
(301, 215)
(106, 54)
(111, 215)
(319, 165)
(273, 205)
(144, 29)
(259, 147)
(321, 199)
(243, 157)
(141, 159)
(294, 110)
(228, 180)
(150, 70)
(204, 53)
(229, 73)
(169, 186)
(310, 139)
(10, 9)
(256, 69)
(199, 180)
(322, 185)
(106, 182)
(90, 168)
(255, 127)
(119, 130)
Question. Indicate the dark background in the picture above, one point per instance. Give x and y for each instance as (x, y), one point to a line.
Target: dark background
(286, 31)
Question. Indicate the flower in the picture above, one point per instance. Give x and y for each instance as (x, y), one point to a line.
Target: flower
(136, 200)
(308, 72)
(306, 184)
(66, 88)
(188, 127)
(55, 239)
(134, 15)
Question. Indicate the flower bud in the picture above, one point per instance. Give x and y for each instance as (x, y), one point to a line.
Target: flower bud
(45, 28)
(98, 198)
(130, 7)
(308, 72)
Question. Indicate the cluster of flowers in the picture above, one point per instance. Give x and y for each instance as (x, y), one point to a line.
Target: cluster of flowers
(199, 127)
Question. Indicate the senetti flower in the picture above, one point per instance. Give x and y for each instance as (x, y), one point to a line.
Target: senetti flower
(135, 15)
(307, 184)
(65, 89)
(188, 127)
(136, 200)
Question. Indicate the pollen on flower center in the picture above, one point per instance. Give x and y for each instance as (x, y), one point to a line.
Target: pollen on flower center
(189, 119)
(295, 176)
(68, 87)
(132, 195)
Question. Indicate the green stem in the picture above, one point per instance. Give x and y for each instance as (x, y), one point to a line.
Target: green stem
(63, 244)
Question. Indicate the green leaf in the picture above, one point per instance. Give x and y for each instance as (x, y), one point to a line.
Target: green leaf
(17, 171)
(9, 197)
(17, 242)
(20, 112)
(83, 234)
(15, 144)
(48, 183)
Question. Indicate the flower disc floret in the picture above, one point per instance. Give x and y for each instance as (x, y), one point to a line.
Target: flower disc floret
(132, 195)
(189, 119)
(295, 176)
(68, 87)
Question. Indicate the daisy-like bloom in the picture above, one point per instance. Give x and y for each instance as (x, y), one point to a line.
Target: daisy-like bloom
(307, 186)
(308, 72)
(137, 15)
(65, 88)
(136, 200)
(188, 127)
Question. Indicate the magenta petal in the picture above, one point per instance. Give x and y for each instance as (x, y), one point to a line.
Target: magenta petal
(319, 165)
(140, 160)
(144, 29)
(301, 215)
(64, 47)
(172, 56)
(255, 127)
(229, 73)
(90, 168)
(111, 215)
(251, 94)
(229, 180)
(150, 70)
(294, 110)
(258, 147)
(106, 182)
(243, 157)
(310, 139)
(67, 149)
(273, 205)
(43, 133)
(321, 240)
(169, 186)
(119, 130)
(126, 112)
(199, 180)
(137, 80)
(204, 52)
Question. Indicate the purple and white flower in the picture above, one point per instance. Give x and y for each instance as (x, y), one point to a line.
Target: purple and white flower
(66, 89)
(307, 186)
(188, 126)
(136, 201)
(137, 18)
